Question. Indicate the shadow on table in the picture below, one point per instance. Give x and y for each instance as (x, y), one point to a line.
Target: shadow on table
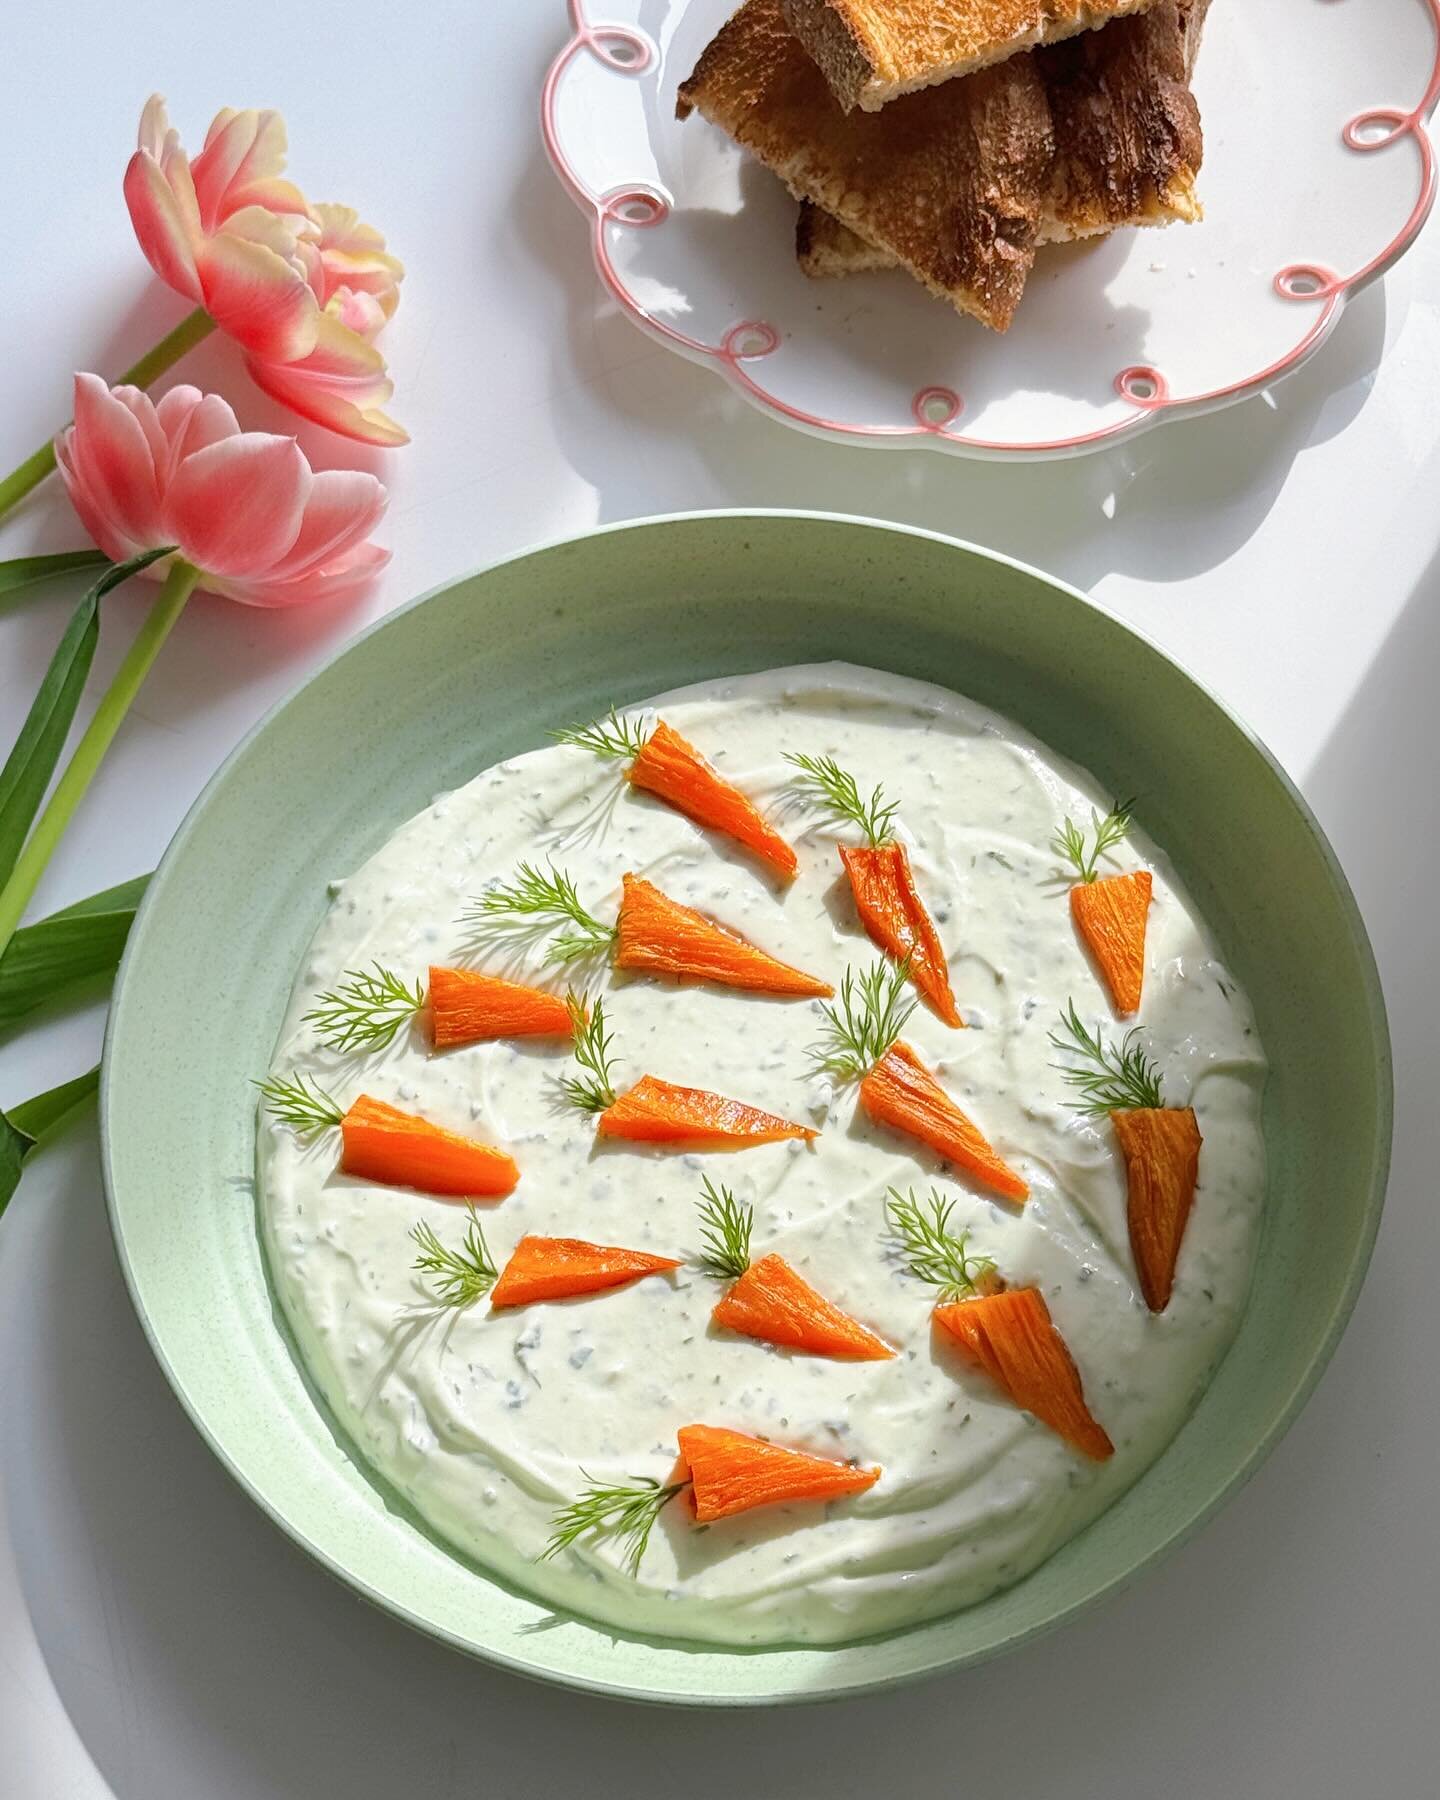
(1133, 509)
(1374, 788)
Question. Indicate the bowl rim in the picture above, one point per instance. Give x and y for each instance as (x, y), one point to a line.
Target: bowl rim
(601, 1685)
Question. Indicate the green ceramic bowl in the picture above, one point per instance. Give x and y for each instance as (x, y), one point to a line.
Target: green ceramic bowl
(484, 668)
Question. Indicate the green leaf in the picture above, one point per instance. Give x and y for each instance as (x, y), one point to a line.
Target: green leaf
(124, 897)
(27, 771)
(26, 1126)
(25, 571)
(41, 1117)
(79, 944)
(15, 1146)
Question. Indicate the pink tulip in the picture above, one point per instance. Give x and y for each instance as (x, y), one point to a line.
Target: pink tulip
(226, 232)
(303, 290)
(243, 507)
(350, 268)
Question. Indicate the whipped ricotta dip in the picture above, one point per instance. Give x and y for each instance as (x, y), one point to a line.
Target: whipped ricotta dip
(488, 1422)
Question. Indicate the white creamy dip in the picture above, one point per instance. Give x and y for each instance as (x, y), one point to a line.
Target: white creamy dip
(485, 1421)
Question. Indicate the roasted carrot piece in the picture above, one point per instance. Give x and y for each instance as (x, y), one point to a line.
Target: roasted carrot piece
(1110, 915)
(467, 1008)
(732, 1472)
(658, 1112)
(675, 772)
(542, 1268)
(659, 935)
(771, 1302)
(1161, 1147)
(381, 1143)
(900, 1091)
(893, 913)
(1012, 1337)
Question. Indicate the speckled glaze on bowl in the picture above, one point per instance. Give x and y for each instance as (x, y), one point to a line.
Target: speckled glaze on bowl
(482, 669)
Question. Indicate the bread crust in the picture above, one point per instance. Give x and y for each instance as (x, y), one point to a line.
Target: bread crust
(1128, 143)
(825, 248)
(951, 185)
(875, 51)
(1127, 129)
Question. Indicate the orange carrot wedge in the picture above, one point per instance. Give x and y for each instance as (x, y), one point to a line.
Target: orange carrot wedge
(658, 1112)
(893, 913)
(771, 1302)
(554, 1268)
(1110, 915)
(383, 1144)
(675, 772)
(900, 1091)
(659, 935)
(732, 1472)
(1161, 1147)
(468, 1008)
(1011, 1337)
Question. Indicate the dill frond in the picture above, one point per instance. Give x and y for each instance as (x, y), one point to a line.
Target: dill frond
(306, 1109)
(725, 1227)
(365, 1010)
(865, 1021)
(595, 1090)
(543, 900)
(932, 1252)
(626, 1512)
(836, 792)
(1071, 844)
(611, 736)
(1120, 1078)
(458, 1277)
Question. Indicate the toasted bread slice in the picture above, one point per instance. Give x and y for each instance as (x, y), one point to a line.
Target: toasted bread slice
(1127, 129)
(1128, 144)
(825, 248)
(873, 51)
(951, 184)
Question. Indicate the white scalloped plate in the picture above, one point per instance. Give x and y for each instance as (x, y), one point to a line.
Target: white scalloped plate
(1319, 172)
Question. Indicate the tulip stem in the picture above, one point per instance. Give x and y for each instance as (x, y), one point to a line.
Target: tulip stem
(190, 331)
(193, 329)
(18, 483)
(90, 751)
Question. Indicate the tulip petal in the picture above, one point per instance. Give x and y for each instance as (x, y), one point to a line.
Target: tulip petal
(278, 196)
(112, 463)
(236, 506)
(340, 580)
(257, 298)
(241, 166)
(342, 355)
(315, 400)
(221, 121)
(190, 421)
(258, 225)
(154, 126)
(143, 410)
(344, 505)
(342, 384)
(240, 148)
(353, 255)
(358, 312)
(113, 542)
(159, 217)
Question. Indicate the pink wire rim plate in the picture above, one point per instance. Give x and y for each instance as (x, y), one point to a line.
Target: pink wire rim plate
(936, 410)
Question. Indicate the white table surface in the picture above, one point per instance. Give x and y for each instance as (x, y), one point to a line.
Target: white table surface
(158, 1637)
